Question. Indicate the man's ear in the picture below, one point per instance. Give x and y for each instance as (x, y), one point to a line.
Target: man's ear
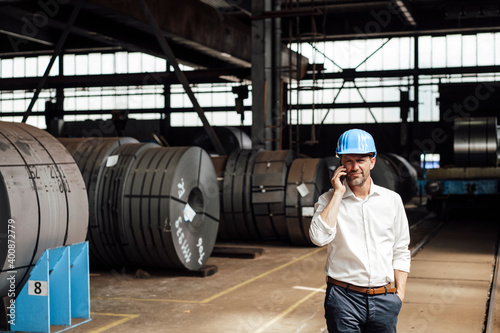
(372, 162)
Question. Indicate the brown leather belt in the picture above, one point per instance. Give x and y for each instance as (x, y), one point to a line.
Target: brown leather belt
(368, 291)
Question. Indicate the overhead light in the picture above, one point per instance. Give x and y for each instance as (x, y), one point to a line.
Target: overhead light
(406, 13)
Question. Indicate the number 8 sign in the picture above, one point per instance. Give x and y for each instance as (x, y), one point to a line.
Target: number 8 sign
(37, 288)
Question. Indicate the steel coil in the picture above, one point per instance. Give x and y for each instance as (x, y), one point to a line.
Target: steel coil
(239, 223)
(151, 206)
(111, 237)
(43, 199)
(93, 156)
(405, 176)
(219, 163)
(384, 173)
(475, 141)
(268, 192)
(170, 208)
(157, 207)
(308, 178)
(231, 138)
(498, 149)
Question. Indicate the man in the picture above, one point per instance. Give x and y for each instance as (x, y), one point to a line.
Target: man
(366, 230)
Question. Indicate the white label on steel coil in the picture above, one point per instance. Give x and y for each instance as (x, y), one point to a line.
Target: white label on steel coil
(189, 213)
(37, 288)
(307, 211)
(201, 251)
(303, 190)
(111, 161)
(180, 188)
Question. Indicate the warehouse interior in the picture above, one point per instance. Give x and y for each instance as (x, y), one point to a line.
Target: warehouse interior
(228, 112)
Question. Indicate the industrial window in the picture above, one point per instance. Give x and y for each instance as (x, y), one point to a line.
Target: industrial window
(481, 49)
(311, 101)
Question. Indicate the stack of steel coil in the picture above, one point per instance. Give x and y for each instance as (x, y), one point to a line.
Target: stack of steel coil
(154, 206)
(269, 195)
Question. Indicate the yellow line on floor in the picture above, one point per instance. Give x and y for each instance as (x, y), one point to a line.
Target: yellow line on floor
(148, 299)
(126, 318)
(224, 292)
(290, 309)
(219, 294)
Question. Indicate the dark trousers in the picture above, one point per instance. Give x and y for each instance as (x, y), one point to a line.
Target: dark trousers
(347, 311)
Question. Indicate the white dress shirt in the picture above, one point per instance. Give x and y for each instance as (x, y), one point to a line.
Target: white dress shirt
(370, 239)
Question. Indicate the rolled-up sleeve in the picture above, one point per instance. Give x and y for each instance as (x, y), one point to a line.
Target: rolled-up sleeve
(321, 234)
(401, 254)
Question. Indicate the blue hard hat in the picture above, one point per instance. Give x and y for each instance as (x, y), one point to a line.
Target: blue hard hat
(356, 141)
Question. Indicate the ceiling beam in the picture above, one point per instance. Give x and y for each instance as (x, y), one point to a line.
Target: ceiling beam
(406, 72)
(190, 23)
(117, 80)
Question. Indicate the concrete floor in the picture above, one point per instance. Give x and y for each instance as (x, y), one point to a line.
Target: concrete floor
(283, 290)
(448, 287)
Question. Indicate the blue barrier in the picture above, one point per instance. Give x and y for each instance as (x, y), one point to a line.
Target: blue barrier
(57, 292)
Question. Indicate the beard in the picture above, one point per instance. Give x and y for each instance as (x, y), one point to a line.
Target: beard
(358, 181)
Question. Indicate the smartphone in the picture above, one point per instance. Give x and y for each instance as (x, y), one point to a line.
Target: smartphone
(342, 178)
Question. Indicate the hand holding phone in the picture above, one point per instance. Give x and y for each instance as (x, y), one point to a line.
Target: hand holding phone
(340, 176)
(343, 177)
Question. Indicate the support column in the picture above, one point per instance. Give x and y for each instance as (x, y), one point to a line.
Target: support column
(404, 135)
(416, 74)
(277, 87)
(54, 110)
(415, 80)
(258, 78)
(266, 77)
(165, 116)
(60, 91)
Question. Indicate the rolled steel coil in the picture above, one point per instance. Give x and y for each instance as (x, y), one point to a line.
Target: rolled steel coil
(239, 223)
(159, 207)
(231, 138)
(268, 192)
(219, 163)
(498, 150)
(475, 141)
(384, 174)
(43, 200)
(308, 178)
(93, 155)
(111, 236)
(170, 208)
(406, 176)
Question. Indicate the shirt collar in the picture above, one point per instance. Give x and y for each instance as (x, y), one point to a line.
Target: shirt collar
(374, 189)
